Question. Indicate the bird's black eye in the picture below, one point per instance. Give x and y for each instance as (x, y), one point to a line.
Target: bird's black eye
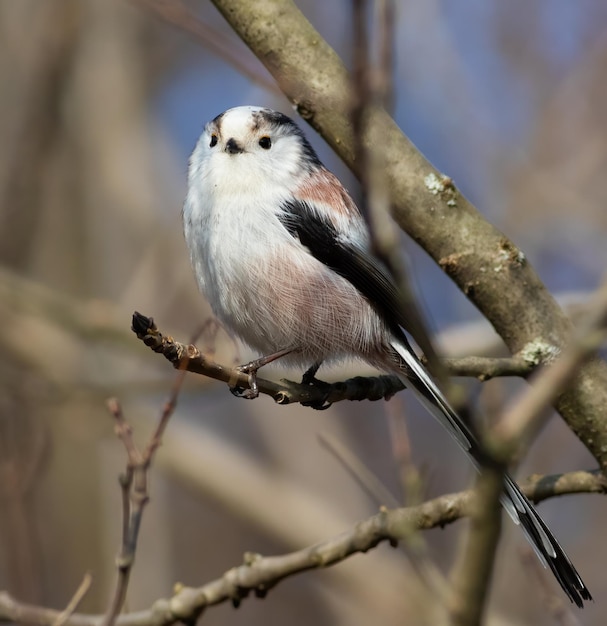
(213, 140)
(265, 142)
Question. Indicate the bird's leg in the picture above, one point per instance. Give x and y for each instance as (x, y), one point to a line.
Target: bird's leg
(251, 369)
(309, 377)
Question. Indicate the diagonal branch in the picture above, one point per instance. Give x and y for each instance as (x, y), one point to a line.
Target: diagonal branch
(177, 13)
(493, 273)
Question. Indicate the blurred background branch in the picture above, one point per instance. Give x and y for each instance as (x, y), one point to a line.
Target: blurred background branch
(102, 103)
(260, 574)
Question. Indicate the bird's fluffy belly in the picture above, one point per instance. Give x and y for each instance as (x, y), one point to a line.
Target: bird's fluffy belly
(273, 305)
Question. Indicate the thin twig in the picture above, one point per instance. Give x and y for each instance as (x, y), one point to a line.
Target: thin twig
(384, 82)
(363, 476)
(414, 547)
(167, 410)
(125, 559)
(135, 495)
(228, 48)
(410, 477)
(77, 598)
(319, 395)
(370, 86)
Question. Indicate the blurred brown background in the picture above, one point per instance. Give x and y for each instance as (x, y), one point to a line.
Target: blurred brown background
(100, 103)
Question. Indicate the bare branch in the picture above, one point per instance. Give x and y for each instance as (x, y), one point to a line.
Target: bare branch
(485, 368)
(319, 395)
(539, 487)
(77, 598)
(125, 559)
(135, 496)
(259, 574)
(415, 548)
(363, 476)
(178, 14)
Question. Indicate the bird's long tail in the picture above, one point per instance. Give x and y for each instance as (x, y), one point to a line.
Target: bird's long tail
(517, 505)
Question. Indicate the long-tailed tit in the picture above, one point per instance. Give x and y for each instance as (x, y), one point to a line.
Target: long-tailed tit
(283, 256)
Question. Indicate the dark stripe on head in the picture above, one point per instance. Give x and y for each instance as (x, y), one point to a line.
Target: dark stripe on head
(217, 120)
(283, 123)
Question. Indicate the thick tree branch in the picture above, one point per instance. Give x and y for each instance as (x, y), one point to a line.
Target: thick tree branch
(258, 574)
(521, 422)
(485, 264)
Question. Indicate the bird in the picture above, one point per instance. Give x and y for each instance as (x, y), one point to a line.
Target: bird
(285, 259)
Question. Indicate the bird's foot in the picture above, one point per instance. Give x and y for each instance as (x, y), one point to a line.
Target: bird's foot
(253, 390)
(251, 370)
(309, 379)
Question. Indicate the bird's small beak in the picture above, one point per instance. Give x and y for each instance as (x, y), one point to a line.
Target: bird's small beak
(233, 147)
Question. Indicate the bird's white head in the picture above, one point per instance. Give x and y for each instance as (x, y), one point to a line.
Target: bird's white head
(246, 147)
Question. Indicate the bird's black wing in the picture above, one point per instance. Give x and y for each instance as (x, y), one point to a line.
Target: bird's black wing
(318, 234)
